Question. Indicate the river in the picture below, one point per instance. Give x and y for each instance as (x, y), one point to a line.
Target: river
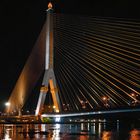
(90, 130)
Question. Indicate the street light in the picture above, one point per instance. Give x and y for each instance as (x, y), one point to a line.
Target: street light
(134, 95)
(135, 101)
(54, 107)
(7, 104)
(105, 100)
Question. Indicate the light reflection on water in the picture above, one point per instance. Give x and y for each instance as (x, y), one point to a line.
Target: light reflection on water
(107, 135)
(135, 134)
(77, 131)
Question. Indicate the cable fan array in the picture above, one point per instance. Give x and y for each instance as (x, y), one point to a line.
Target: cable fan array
(96, 62)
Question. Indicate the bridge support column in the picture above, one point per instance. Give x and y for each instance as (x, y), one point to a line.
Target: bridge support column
(49, 76)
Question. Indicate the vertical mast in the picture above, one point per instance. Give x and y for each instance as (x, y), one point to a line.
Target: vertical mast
(49, 76)
(49, 39)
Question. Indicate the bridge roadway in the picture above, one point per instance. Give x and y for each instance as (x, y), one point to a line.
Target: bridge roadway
(103, 112)
(118, 113)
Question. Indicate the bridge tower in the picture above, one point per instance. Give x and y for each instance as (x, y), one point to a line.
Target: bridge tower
(49, 76)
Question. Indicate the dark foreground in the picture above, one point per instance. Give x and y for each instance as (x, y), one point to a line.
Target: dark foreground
(92, 129)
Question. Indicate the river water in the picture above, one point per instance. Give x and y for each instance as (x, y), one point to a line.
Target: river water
(92, 130)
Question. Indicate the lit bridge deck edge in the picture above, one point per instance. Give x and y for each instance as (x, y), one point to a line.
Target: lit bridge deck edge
(91, 113)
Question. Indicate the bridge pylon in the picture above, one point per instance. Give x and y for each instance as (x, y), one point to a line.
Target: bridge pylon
(49, 76)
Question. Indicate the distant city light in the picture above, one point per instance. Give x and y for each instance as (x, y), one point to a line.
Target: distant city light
(104, 98)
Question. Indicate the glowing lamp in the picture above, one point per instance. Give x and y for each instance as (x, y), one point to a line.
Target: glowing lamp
(132, 94)
(7, 104)
(104, 98)
(54, 107)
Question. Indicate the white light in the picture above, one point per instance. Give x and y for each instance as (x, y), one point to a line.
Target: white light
(7, 104)
(57, 126)
(54, 107)
(57, 119)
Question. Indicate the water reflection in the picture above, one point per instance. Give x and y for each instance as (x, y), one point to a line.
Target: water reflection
(99, 129)
(77, 131)
(8, 132)
(56, 132)
(107, 135)
(135, 134)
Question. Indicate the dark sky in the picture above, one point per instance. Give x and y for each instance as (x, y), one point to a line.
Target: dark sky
(21, 22)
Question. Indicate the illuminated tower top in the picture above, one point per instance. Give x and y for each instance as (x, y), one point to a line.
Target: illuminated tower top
(49, 38)
(49, 5)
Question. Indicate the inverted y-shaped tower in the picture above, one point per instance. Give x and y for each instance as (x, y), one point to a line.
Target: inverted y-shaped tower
(49, 76)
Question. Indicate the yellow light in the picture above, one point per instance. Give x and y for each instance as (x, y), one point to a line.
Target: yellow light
(133, 94)
(50, 5)
(104, 98)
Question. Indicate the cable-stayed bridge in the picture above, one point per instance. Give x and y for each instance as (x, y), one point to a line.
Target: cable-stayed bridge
(96, 64)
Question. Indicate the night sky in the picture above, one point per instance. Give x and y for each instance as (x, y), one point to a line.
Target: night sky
(21, 23)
